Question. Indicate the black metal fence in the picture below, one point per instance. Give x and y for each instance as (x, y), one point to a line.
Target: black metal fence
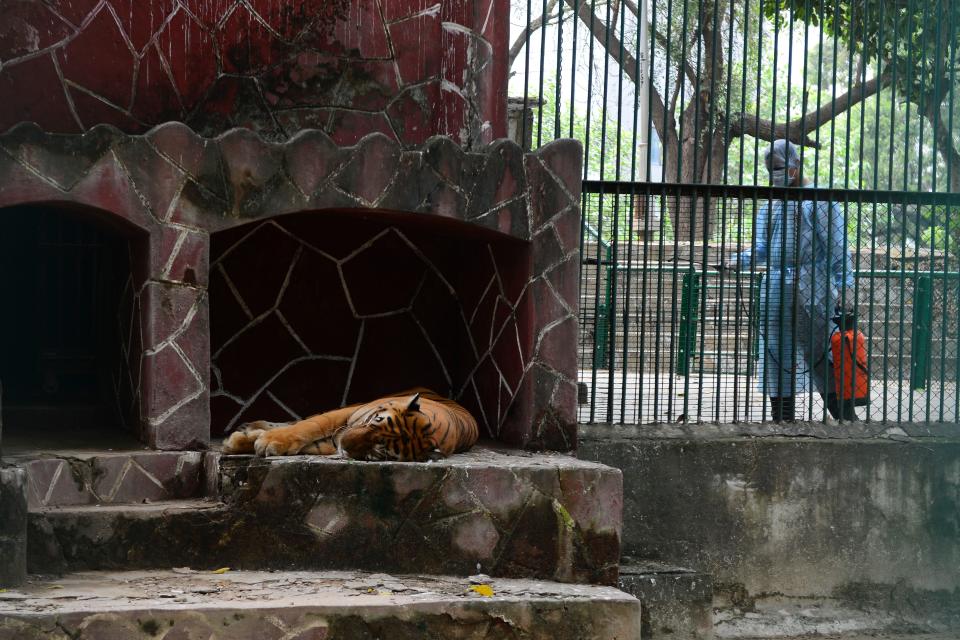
(676, 102)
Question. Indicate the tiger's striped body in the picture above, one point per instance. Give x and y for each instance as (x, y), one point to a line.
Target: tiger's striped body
(413, 425)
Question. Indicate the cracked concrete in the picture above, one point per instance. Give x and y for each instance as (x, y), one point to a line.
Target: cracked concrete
(336, 604)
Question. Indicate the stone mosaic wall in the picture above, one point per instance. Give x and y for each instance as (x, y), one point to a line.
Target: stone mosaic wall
(172, 188)
(311, 312)
(126, 368)
(406, 68)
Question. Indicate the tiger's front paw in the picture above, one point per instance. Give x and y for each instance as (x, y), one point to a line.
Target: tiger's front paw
(278, 442)
(241, 441)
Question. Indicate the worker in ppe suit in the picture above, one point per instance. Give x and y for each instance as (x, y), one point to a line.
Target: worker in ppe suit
(803, 245)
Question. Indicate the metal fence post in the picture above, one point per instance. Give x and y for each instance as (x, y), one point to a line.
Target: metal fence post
(921, 335)
(689, 314)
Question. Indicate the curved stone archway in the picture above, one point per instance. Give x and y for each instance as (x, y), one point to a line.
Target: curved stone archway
(315, 310)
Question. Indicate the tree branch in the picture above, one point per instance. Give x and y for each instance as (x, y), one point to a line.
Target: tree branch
(946, 146)
(634, 9)
(660, 39)
(798, 130)
(676, 92)
(663, 121)
(524, 36)
(607, 39)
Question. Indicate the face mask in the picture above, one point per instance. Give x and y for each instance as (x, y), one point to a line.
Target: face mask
(778, 178)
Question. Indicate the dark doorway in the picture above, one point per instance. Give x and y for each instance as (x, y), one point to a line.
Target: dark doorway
(67, 291)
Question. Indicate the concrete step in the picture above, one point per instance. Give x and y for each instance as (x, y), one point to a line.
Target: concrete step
(511, 513)
(309, 606)
(68, 478)
(129, 536)
(676, 602)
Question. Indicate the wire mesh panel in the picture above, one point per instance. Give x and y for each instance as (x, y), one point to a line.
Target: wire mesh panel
(677, 103)
(670, 332)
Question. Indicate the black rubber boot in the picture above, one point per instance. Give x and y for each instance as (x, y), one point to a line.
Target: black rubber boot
(783, 409)
(844, 410)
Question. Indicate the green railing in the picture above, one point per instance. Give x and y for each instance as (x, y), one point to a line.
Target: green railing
(602, 318)
(660, 329)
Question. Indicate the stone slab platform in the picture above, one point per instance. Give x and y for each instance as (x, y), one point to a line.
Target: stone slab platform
(351, 605)
(503, 512)
(508, 512)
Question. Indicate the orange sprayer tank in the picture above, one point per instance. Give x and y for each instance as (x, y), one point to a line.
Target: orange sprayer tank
(850, 376)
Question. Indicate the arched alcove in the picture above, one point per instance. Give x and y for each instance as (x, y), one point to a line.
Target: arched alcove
(314, 310)
(70, 340)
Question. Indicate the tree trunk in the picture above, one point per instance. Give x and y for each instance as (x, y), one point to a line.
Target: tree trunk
(948, 150)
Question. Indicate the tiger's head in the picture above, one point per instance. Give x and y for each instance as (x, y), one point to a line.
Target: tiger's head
(395, 429)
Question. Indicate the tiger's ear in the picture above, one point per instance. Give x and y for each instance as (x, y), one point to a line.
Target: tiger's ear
(414, 403)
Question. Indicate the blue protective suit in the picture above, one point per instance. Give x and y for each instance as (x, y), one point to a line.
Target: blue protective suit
(804, 248)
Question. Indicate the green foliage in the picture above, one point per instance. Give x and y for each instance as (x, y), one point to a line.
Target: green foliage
(911, 38)
(611, 148)
(612, 151)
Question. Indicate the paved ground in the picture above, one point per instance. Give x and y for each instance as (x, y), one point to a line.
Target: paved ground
(795, 619)
(642, 399)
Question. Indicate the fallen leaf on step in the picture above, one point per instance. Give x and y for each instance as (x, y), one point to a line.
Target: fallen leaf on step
(484, 590)
(221, 570)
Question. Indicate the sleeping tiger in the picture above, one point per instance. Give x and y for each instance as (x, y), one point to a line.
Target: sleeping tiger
(414, 425)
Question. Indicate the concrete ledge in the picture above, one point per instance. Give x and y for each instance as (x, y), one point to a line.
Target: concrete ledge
(677, 603)
(310, 606)
(868, 431)
(806, 510)
(510, 513)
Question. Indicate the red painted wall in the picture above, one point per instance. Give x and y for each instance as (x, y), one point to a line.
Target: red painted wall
(407, 68)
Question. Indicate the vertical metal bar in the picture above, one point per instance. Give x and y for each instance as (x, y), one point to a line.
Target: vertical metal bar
(617, 204)
(921, 98)
(558, 90)
(873, 225)
(665, 212)
(586, 172)
(697, 178)
(648, 124)
(612, 281)
(724, 323)
(707, 159)
(543, 60)
(632, 211)
(526, 77)
(677, 215)
(851, 49)
(751, 333)
(573, 77)
(946, 236)
(933, 209)
(903, 230)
